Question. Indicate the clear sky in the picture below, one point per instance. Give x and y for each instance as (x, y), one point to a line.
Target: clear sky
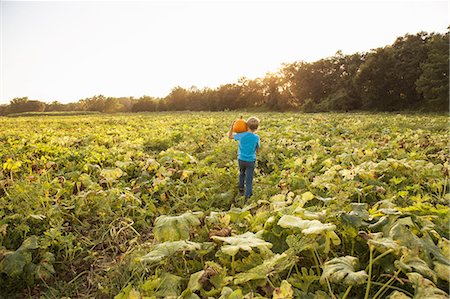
(66, 51)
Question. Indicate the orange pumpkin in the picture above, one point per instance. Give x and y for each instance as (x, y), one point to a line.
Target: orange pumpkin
(240, 126)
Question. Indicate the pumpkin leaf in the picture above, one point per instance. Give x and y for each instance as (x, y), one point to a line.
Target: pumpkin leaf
(13, 263)
(312, 227)
(409, 263)
(398, 295)
(29, 243)
(275, 264)
(188, 294)
(175, 228)
(166, 249)
(194, 283)
(306, 226)
(111, 174)
(303, 280)
(342, 270)
(384, 244)
(424, 288)
(285, 291)
(170, 286)
(245, 242)
(442, 271)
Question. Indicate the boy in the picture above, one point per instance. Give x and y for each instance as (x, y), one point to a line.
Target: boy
(247, 148)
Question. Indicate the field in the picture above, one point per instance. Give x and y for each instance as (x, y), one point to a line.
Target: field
(147, 206)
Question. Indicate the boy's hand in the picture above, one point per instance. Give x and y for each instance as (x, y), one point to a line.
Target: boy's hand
(230, 133)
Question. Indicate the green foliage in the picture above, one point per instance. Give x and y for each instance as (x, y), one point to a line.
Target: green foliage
(89, 209)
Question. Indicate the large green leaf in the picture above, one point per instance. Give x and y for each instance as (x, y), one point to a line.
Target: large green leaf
(342, 270)
(174, 228)
(13, 263)
(245, 242)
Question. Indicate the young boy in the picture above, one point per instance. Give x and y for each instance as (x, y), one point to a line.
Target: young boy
(247, 148)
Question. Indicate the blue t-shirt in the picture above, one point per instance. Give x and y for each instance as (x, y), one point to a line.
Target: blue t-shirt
(248, 143)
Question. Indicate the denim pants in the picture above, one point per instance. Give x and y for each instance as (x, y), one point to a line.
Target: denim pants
(246, 171)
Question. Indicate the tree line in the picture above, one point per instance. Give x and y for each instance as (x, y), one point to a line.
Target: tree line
(410, 74)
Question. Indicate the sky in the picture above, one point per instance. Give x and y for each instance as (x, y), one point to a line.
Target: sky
(69, 50)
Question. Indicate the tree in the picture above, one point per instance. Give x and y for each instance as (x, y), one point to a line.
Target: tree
(177, 99)
(19, 105)
(433, 82)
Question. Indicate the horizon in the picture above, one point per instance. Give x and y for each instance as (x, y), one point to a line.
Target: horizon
(148, 48)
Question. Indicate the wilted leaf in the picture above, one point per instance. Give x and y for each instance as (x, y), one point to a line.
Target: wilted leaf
(187, 294)
(312, 227)
(285, 291)
(245, 242)
(170, 286)
(410, 263)
(194, 282)
(306, 226)
(275, 264)
(425, 288)
(228, 293)
(30, 243)
(342, 269)
(174, 228)
(442, 271)
(398, 295)
(111, 174)
(166, 249)
(384, 244)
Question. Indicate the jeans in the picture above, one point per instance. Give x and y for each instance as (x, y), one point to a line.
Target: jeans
(246, 171)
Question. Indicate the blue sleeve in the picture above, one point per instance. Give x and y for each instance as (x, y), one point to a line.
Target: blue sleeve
(237, 136)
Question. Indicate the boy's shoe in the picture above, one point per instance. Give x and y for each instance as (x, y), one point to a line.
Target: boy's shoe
(241, 192)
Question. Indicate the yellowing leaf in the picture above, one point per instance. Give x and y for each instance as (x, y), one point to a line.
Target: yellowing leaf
(111, 174)
(442, 271)
(174, 228)
(166, 249)
(285, 291)
(409, 263)
(425, 288)
(275, 264)
(342, 270)
(307, 226)
(244, 242)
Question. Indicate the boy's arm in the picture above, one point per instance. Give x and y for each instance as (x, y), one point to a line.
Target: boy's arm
(230, 133)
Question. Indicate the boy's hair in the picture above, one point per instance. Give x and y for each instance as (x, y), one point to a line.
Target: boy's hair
(253, 123)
